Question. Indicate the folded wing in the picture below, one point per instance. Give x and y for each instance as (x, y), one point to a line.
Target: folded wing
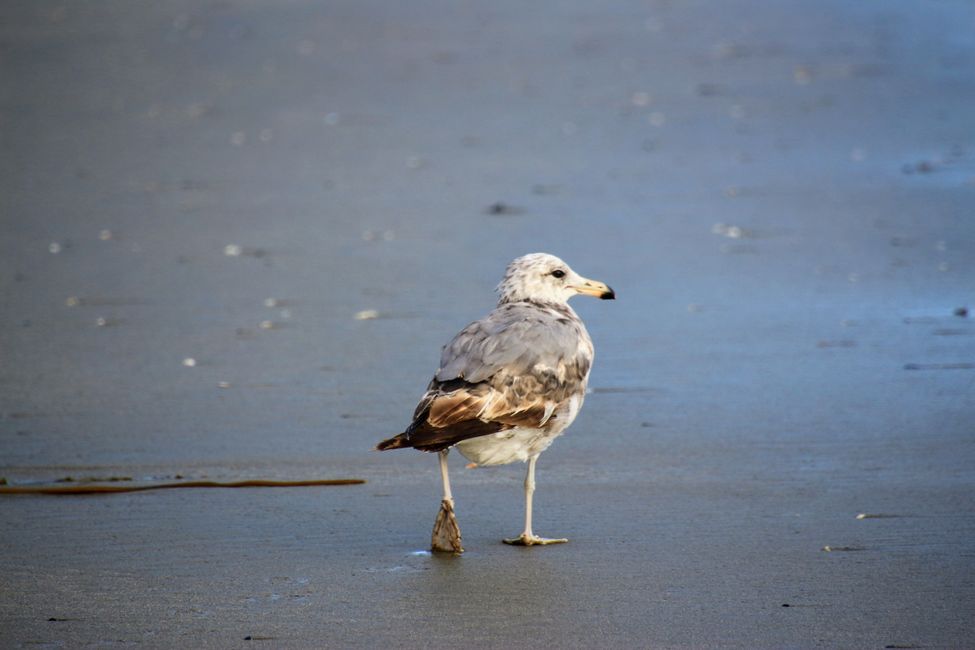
(511, 369)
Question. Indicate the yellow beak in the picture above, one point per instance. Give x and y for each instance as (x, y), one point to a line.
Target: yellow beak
(595, 288)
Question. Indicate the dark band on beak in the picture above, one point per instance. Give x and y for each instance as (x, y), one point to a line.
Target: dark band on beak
(608, 295)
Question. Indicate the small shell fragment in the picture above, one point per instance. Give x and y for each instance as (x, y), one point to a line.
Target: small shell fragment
(732, 232)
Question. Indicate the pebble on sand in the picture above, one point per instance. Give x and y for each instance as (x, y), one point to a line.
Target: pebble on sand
(832, 549)
(502, 208)
(732, 232)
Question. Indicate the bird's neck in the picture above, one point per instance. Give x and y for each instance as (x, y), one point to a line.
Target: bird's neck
(555, 305)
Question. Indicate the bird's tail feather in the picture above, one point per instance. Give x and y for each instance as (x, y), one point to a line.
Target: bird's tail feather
(396, 442)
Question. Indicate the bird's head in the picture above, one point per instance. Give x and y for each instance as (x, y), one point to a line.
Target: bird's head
(545, 278)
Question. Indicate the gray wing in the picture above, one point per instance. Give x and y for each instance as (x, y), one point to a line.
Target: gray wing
(516, 340)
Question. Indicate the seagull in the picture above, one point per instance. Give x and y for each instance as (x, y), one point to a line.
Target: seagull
(508, 384)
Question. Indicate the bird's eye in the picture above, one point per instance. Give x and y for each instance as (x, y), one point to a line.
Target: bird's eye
(559, 273)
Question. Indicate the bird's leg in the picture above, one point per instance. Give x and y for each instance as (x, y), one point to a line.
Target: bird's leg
(445, 477)
(528, 538)
(446, 532)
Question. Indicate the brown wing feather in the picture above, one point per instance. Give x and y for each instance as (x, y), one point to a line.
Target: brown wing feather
(453, 411)
(456, 407)
(485, 404)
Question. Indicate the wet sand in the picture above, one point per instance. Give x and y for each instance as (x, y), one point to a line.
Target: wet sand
(196, 202)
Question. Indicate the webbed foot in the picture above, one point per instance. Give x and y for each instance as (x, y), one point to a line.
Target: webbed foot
(533, 540)
(446, 532)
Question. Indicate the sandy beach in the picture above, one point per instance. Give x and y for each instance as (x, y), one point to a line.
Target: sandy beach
(234, 236)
